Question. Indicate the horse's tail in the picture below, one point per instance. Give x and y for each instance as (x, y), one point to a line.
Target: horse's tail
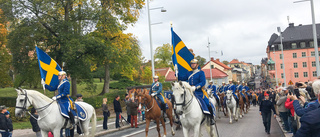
(94, 123)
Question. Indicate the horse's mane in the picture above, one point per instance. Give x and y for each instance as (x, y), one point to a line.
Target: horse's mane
(187, 86)
(36, 93)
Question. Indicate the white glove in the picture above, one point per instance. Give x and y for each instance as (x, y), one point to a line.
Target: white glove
(193, 88)
(54, 98)
(153, 94)
(43, 82)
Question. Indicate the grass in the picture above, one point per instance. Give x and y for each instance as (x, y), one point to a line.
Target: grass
(21, 125)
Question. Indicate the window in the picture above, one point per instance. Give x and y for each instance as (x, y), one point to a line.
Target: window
(302, 44)
(304, 64)
(314, 73)
(296, 75)
(295, 65)
(312, 53)
(280, 56)
(212, 66)
(313, 64)
(294, 55)
(293, 45)
(281, 75)
(311, 44)
(281, 66)
(305, 74)
(303, 54)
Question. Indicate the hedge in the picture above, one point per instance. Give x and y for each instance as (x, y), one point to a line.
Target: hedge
(8, 101)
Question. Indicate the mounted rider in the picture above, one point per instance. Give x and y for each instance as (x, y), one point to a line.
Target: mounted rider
(156, 90)
(197, 80)
(214, 91)
(233, 89)
(63, 99)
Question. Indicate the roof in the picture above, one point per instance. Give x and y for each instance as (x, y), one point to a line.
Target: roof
(234, 61)
(171, 76)
(295, 33)
(217, 61)
(162, 71)
(216, 73)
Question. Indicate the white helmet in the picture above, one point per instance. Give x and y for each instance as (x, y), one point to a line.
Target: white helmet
(62, 73)
(194, 61)
(210, 81)
(154, 77)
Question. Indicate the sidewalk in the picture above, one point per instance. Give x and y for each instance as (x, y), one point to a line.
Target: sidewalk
(280, 124)
(99, 129)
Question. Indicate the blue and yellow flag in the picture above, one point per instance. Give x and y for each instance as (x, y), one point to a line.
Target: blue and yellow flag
(49, 68)
(181, 56)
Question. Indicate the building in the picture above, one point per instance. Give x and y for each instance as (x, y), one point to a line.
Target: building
(298, 54)
(241, 71)
(220, 72)
(167, 73)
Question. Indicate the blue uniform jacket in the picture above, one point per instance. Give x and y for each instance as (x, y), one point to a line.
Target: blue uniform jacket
(232, 87)
(226, 87)
(310, 124)
(198, 80)
(63, 90)
(213, 88)
(301, 111)
(239, 87)
(157, 88)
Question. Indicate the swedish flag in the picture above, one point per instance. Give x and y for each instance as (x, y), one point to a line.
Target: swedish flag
(181, 56)
(49, 68)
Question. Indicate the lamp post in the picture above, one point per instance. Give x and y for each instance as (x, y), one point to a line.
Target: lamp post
(284, 70)
(150, 37)
(274, 56)
(315, 40)
(209, 59)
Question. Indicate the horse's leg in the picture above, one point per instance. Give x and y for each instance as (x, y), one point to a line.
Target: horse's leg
(196, 130)
(85, 129)
(158, 126)
(229, 114)
(212, 130)
(147, 126)
(164, 127)
(56, 132)
(169, 114)
(45, 133)
(185, 131)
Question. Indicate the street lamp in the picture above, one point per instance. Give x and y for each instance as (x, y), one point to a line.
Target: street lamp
(209, 59)
(315, 40)
(284, 70)
(150, 37)
(274, 56)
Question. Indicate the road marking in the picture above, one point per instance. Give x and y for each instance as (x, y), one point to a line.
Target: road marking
(140, 131)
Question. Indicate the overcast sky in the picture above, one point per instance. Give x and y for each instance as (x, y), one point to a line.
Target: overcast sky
(239, 28)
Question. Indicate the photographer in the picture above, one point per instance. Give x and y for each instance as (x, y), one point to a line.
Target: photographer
(301, 110)
(289, 105)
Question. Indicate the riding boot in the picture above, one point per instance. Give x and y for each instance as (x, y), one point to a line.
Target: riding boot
(211, 116)
(71, 118)
(218, 101)
(164, 111)
(237, 100)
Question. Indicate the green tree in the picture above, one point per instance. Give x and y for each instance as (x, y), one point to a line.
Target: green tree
(225, 62)
(201, 60)
(163, 56)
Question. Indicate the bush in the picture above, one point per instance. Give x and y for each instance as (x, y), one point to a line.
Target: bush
(166, 86)
(123, 83)
(96, 101)
(8, 101)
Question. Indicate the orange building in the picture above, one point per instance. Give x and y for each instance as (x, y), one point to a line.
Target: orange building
(298, 55)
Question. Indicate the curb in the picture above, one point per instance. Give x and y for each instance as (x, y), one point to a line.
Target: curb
(114, 130)
(284, 133)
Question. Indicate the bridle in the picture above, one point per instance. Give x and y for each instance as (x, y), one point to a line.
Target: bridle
(24, 107)
(146, 105)
(184, 104)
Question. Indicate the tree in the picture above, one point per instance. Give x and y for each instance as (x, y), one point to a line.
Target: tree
(225, 62)
(163, 56)
(201, 60)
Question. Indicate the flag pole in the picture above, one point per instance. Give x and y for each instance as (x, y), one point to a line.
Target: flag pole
(175, 67)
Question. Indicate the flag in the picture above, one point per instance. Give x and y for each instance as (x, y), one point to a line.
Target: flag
(181, 56)
(221, 53)
(49, 68)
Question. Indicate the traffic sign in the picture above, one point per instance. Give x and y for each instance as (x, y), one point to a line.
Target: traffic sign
(290, 83)
(279, 84)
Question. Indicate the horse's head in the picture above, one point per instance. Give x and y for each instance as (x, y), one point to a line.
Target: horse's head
(229, 95)
(141, 98)
(181, 93)
(22, 102)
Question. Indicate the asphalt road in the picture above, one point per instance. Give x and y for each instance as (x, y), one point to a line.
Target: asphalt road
(249, 126)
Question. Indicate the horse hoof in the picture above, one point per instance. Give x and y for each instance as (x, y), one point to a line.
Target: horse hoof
(164, 135)
(230, 122)
(173, 133)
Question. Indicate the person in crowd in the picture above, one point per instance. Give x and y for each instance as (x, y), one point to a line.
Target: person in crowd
(310, 91)
(134, 111)
(261, 97)
(143, 110)
(283, 111)
(301, 110)
(79, 98)
(106, 113)
(79, 131)
(265, 110)
(254, 98)
(4, 129)
(128, 101)
(117, 109)
(310, 121)
(9, 123)
(289, 105)
(34, 122)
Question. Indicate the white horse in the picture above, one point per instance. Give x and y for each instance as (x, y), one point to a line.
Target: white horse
(232, 105)
(214, 102)
(50, 118)
(189, 110)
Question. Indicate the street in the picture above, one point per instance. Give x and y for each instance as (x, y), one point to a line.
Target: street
(249, 126)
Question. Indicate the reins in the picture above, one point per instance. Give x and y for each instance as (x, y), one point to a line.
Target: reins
(184, 104)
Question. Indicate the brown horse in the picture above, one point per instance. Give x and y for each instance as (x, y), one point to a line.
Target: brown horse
(247, 103)
(241, 103)
(153, 111)
(221, 96)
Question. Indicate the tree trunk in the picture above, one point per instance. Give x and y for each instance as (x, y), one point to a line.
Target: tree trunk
(106, 80)
(74, 87)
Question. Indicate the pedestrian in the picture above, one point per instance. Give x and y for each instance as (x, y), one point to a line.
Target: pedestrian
(127, 101)
(289, 105)
(79, 131)
(254, 98)
(265, 110)
(117, 109)
(9, 123)
(34, 122)
(106, 113)
(133, 105)
(283, 111)
(79, 98)
(143, 110)
(4, 129)
(310, 122)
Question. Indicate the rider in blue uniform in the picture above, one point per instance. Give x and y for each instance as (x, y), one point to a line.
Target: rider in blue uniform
(241, 88)
(197, 80)
(233, 89)
(156, 90)
(63, 95)
(225, 88)
(214, 91)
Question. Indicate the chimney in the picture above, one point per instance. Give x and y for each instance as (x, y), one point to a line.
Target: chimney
(212, 59)
(291, 25)
(218, 60)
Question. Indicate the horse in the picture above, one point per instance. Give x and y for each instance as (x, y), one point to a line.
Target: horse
(247, 103)
(214, 101)
(223, 108)
(232, 106)
(241, 104)
(50, 118)
(189, 109)
(153, 111)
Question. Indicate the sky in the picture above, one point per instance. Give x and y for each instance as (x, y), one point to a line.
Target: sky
(240, 29)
